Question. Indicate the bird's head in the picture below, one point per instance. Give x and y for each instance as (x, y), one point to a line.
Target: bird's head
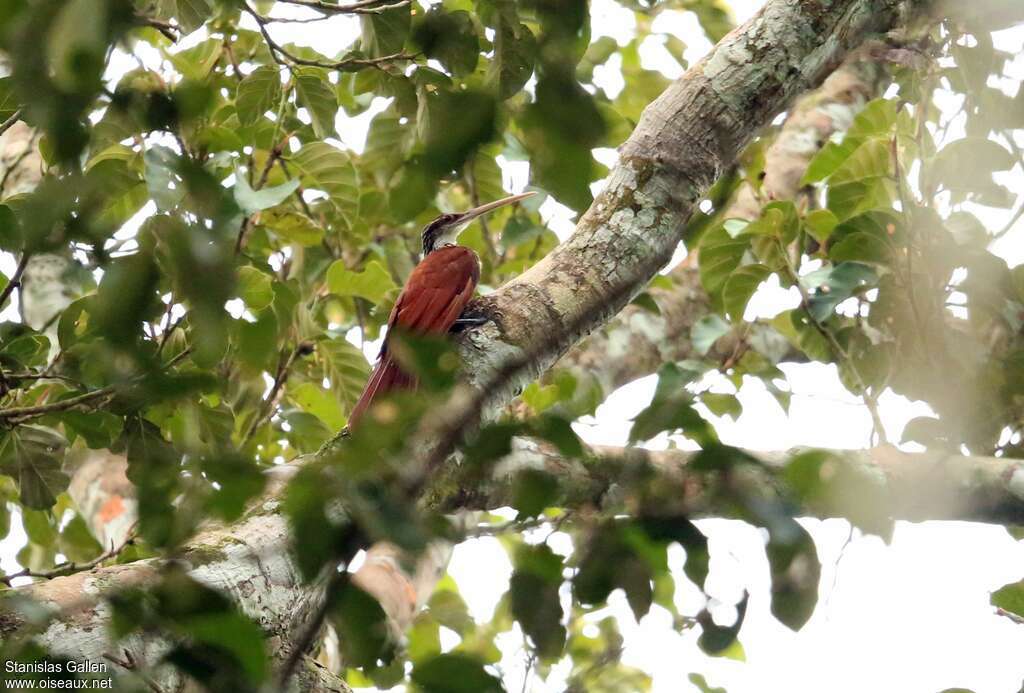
(446, 228)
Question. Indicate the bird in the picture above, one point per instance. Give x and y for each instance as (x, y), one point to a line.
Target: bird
(432, 300)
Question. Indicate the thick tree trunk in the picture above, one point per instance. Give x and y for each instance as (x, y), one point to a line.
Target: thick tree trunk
(685, 139)
(637, 341)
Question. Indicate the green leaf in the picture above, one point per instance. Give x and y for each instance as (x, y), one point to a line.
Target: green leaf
(373, 283)
(722, 404)
(212, 626)
(1010, 598)
(99, 429)
(361, 625)
(251, 201)
(820, 224)
(535, 603)
(715, 639)
(384, 33)
(862, 247)
(193, 13)
(870, 160)
(706, 332)
(834, 285)
(455, 673)
(450, 38)
(255, 288)
(560, 128)
(196, 62)
(860, 196)
(10, 231)
(165, 185)
(153, 466)
(257, 93)
(702, 685)
(515, 50)
(533, 490)
(316, 94)
(671, 409)
(456, 124)
(346, 368)
(795, 571)
(314, 399)
(8, 103)
(829, 159)
(292, 227)
(967, 164)
(718, 257)
(331, 170)
(740, 286)
(412, 192)
(385, 144)
(33, 457)
(257, 342)
(877, 118)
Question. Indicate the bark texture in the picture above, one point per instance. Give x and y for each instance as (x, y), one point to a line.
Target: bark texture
(637, 341)
(903, 486)
(684, 141)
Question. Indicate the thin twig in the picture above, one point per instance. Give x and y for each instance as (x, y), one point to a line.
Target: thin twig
(275, 153)
(41, 376)
(9, 123)
(505, 527)
(268, 404)
(169, 31)
(16, 415)
(69, 567)
(350, 545)
(285, 58)
(1010, 224)
(15, 281)
(128, 664)
(359, 7)
(805, 299)
(1019, 620)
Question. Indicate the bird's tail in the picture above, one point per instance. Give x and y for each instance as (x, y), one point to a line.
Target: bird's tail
(387, 376)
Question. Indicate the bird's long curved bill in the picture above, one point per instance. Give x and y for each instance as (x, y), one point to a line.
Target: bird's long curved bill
(491, 206)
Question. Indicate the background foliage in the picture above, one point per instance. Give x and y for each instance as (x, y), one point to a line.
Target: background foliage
(225, 246)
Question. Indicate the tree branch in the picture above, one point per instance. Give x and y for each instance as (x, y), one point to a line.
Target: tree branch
(69, 567)
(89, 400)
(282, 55)
(15, 281)
(9, 123)
(685, 139)
(360, 7)
(910, 486)
(637, 341)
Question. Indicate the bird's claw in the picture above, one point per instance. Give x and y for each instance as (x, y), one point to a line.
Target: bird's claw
(468, 321)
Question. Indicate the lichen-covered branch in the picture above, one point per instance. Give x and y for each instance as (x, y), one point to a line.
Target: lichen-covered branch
(904, 486)
(685, 139)
(637, 341)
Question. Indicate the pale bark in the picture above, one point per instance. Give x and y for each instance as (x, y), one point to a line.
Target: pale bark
(904, 486)
(684, 141)
(637, 341)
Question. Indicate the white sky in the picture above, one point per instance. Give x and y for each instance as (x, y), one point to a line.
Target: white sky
(910, 617)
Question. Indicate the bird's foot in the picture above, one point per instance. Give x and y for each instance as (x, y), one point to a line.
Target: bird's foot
(467, 321)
